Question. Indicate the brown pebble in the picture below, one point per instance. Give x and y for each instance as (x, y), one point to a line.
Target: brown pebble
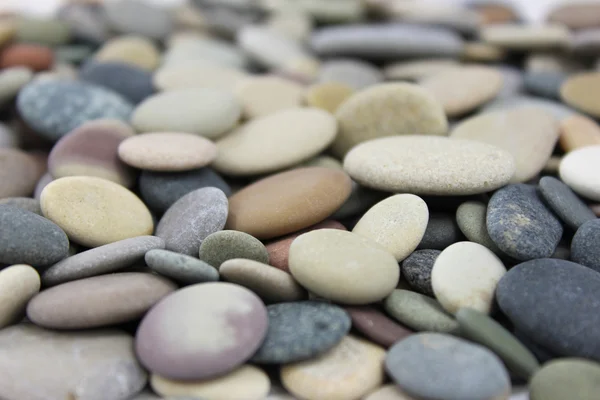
(578, 131)
(377, 326)
(36, 57)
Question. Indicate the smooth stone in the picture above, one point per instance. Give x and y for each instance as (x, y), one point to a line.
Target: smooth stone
(49, 32)
(12, 79)
(578, 170)
(442, 231)
(528, 134)
(480, 52)
(138, 17)
(101, 260)
(288, 201)
(41, 184)
(91, 150)
(355, 73)
(440, 366)
(94, 365)
(24, 203)
(301, 331)
(27, 238)
(133, 83)
(536, 293)
(18, 284)
(225, 245)
(480, 328)
(179, 267)
(70, 104)
(98, 301)
(291, 22)
(552, 165)
(545, 84)
(567, 378)
(201, 331)
(244, 383)
(200, 74)
(376, 326)
(360, 200)
(513, 82)
(584, 248)
(19, 173)
(561, 199)
(559, 110)
(389, 392)
(266, 95)
(85, 22)
(520, 224)
(471, 220)
(414, 70)
(552, 62)
(385, 42)
(33, 56)
(526, 37)
(8, 31)
(350, 370)
(327, 96)
(579, 90)
(192, 218)
(416, 270)
(343, 267)
(160, 190)
(419, 312)
(204, 112)
(134, 50)
(367, 115)
(336, 11)
(208, 48)
(579, 15)
(397, 223)
(578, 131)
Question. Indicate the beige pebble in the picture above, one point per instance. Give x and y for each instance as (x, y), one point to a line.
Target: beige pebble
(18, 284)
(419, 69)
(526, 37)
(578, 131)
(579, 170)
(198, 74)
(581, 92)
(135, 50)
(94, 212)
(328, 95)
(482, 52)
(264, 95)
(389, 392)
(350, 370)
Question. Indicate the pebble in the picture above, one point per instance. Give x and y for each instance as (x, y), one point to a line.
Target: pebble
(179, 267)
(376, 326)
(225, 245)
(389, 392)
(442, 230)
(482, 52)
(130, 49)
(199, 47)
(575, 15)
(367, 115)
(204, 112)
(360, 200)
(266, 95)
(192, 218)
(19, 173)
(559, 110)
(101, 260)
(545, 83)
(198, 75)
(439, 366)
(84, 22)
(24, 203)
(561, 199)
(537, 293)
(138, 17)
(343, 267)
(12, 79)
(328, 96)
(416, 270)
(575, 91)
(201, 331)
(586, 42)
(419, 312)
(572, 378)
(414, 70)
(49, 32)
(18, 284)
(526, 38)
(94, 212)
(354, 73)
(7, 32)
(471, 219)
(584, 249)
(32, 56)
(578, 131)
(132, 82)
(513, 83)
(577, 170)
(288, 201)
(521, 225)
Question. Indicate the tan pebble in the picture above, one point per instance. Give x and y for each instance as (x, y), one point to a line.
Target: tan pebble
(19, 173)
(389, 392)
(578, 131)
(581, 91)
(264, 95)
(328, 95)
(94, 212)
(482, 52)
(348, 371)
(416, 70)
(526, 37)
(167, 151)
(130, 49)
(198, 74)
(18, 284)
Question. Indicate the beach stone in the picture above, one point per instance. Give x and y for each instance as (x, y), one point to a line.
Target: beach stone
(322, 160)
(506, 130)
(355, 73)
(85, 22)
(552, 62)
(545, 83)
(397, 224)
(49, 32)
(389, 392)
(561, 199)
(98, 301)
(244, 383)
(18, 284)
(199, 47)
(463, 89)
(12, 79)
(350, 370)
(201, 331)
(192, 218)
(462, 370)
(328, 96)
(132, 82)
(512, 83)
(94, 212)
(179, 267)
(584, 249)
(578, 131)
(292, 22)
(480, 328)
(94, 365)
(574, 378)
(19, 173)
(414, 70)
(24, 203)
(376, 326)
(288, 201)
(225, 245)
(138, 17)
(101, 260)
(361, 117)
(416, 270)
(586, 42)
(8, 31)
(41, 184)
(429, 165)
(442, 230)
(577, 91)
(480, 52)
(73, 54)
(521, 225)
(266, 95)
(91, 150)
(526, 37)
(258, 146)
(204, 112)
(134, 50)
(578, 170)
(559, 110)
(32, 56)
(419, 312)
(535, 293)
(471, 219)
(579, 15)
(200, 74)
(343, 267)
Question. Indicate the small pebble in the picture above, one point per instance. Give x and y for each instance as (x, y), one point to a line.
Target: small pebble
(18, 284)
(416, 270)
(265, 95)
(442, 231)
(561, 199)
(328, 96)
(12, 79)
(471, 219)
(138, 17)
(354, 73)
(179, 267)
(578, 170)
(584, 248)
(199, 74)
(578, 131)
(376, 326)
(19, 173)
(225, 245)
(130, 49)
(572, 378)
(32, 56)
(576, 92)
(132, 82)
(24, 203)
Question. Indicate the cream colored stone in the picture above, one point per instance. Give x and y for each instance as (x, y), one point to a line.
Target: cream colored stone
(135, 50)
(264, 95)
(579, 169)
(482, 52)
(198, 74)
(18, 284)
(328, 95)
(526, 37)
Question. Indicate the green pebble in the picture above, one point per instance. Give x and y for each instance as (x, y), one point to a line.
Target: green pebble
(180, 267)
(225, 245)
(566, 379)
(48, 32)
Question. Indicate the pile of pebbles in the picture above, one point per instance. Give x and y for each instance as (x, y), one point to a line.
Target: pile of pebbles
(296, 199)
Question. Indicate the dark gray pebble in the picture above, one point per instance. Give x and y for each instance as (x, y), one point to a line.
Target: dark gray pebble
(565, 203)
(133, 83)
(585, 246)
(416, 269)
(543, 355)
(442, 231)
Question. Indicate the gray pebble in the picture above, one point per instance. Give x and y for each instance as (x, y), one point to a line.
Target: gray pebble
(585, 246)
(442, 231)
(133, 83)
(471, 219)
(184, 269)
(416, 269)
(357, 74)
(139, 18)
(565, 203)
(545, 83)
(221, 246)
(24, 203)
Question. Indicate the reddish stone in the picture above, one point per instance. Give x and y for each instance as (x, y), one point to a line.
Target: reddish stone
(36, 57)
(376, 326)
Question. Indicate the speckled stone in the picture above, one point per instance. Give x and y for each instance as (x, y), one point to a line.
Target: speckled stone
(376, 326)
(545, 83)
(101, 260)
(24, 203)
(54, 107)
(471, 219)
(584, 246)
(439, 366)
(18, 284)
(521, 225)
(442, 230)
(130, 49)
(566, 204)
(355, 73)
(12, 79)
(419, 312)
(19, 173)
(221, 246)
(567, 378)
(138, 17)
(133, 83)
(416, 270)
(185, 269)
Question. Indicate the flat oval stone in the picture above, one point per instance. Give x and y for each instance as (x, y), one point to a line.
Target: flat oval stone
(301, 331)
(537, 293)
(203, 47)
(199, 74)
(91, 150)
(471, 219)
(376, 326)
(397, 224)
(561, 199)
(571, 378)
(416, 270)
(12, 79)
(101, 260)
(280, 204)
(18, 284)
(192, 218)
(140, 18)
(130, 49)
(70, 103)
(204, 112)
(19, 173)
(98, 301)
(521, 225)
(130, 81)
(429, 165)
(343, 266)
(27, 238)
(464, 370)
(179, 267)
(480, 52)
(577, 89)
(584, 249)
(350, 370)
(225, 245)
(33, 56)
(201, 331)
(578, 131)
(258, 146)
(578, 170)
(419, 312)
(94, 212)
(24, 203)
(526, 37)
(84, 22)
(355, 73)
(328, 96)
(264, 95)
(366, 115)
(528, 134)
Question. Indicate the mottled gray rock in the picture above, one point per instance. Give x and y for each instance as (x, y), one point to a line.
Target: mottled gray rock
(182, 268)
(416, 269)
(565, 203)
(585, 248)
(133, 83)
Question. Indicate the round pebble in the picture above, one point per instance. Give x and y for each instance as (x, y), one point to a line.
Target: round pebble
(561, 199)
(18, 284)
(19, 173)
(523, 37)
(138, 17)
(584, 249)
(376, 326)
(328, 96)
(185, 269)
(12, 79)
(225, 245)
(572, 378)
(578, 131)
(577, 170)
(471, 219)
(264, 95)
(198, 75)
(24, 203)
(355, 73)
(577, 92)
(35, 57)
(419, 312)
(132, 82)
(130, 49)
(416, 270)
